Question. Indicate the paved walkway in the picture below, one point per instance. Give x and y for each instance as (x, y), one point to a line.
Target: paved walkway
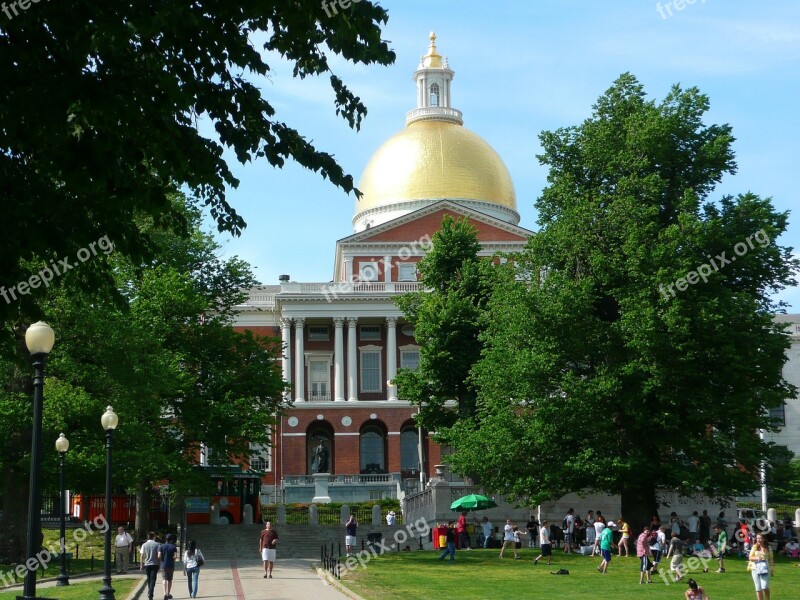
(225, 580)
(244, 580)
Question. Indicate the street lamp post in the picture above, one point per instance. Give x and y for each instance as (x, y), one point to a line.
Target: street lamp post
(110, 420)
(39, 339)
(62, 445)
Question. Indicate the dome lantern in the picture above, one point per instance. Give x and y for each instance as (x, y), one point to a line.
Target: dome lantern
(433, 77)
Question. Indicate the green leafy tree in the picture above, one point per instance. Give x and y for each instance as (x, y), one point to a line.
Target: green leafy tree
(446, 324)
(602, 373)
(169, 362)
(102, 103)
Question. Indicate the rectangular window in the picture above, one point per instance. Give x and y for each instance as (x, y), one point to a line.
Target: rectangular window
(409, 359)
(371, 371)
(259, 457)
(777, 415)
(319, 333)
(370, 332)
(368, 271)
(375, 495)
(407, 272)
(318, 376)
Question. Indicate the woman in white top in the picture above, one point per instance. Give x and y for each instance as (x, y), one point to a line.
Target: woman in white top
(192, 561)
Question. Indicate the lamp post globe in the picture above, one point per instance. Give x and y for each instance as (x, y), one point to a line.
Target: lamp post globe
(39, 339)
(62, 445)
(109, 421)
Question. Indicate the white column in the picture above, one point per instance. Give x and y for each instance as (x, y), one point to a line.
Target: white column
(338, 359)
(391, 356)
(299, 361)
(352, 380)
(286, 338)
(387, 269)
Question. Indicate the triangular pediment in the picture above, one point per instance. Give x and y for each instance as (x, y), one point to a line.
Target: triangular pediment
(427, 221)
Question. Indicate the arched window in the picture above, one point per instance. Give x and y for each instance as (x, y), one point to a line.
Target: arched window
(434, 94)
(373, 449)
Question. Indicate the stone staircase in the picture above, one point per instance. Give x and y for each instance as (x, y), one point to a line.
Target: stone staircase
(240, 542)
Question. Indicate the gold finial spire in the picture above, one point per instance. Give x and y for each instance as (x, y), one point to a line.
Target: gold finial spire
(432, 59)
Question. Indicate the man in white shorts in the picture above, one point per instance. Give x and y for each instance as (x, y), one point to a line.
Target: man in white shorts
(267, 546)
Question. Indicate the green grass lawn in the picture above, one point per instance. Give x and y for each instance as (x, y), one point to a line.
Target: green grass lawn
(78, 591)
(480, 574)
(82, 551)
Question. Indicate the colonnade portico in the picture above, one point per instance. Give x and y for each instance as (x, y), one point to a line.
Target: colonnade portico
(345, 379)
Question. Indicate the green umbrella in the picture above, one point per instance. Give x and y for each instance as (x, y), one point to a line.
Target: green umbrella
(473, 502)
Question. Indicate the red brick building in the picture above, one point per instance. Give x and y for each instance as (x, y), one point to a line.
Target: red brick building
(344, 340)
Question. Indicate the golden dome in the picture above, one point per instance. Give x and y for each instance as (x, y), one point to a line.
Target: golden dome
(435, 159)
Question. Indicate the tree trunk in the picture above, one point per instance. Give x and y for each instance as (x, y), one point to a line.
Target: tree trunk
(14, 517)
(142, 524)
(638, 507)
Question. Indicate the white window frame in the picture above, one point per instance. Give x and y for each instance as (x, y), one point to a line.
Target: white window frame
(319, 336)
(319, 357)
(261, 449)
(371, 336)
(362, 350)
(408, 348)
(369, 271)
(407, 271)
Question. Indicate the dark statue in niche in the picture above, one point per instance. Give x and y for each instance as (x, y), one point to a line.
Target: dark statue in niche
(321, 458)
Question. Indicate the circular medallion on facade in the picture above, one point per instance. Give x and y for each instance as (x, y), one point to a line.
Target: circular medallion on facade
(408, 330)
(320, 417)
(347, 421)
(373, 416)
(292, 421)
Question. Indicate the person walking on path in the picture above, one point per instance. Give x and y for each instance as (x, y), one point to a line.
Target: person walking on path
(450, 539)
(606, 546)
(168, 554)
(148, 562)
(695, 592)
(508, 539)
(192, 561)
(267, 546)
(350, 534)
(761, 566)
(544, 543)
(123, 546)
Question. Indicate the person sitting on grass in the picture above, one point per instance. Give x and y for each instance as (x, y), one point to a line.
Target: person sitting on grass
(695, 592)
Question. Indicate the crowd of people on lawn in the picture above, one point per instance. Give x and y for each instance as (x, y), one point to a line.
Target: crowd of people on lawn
(658, 542)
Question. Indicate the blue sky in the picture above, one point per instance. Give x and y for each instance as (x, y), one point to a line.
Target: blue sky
(523, 67)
